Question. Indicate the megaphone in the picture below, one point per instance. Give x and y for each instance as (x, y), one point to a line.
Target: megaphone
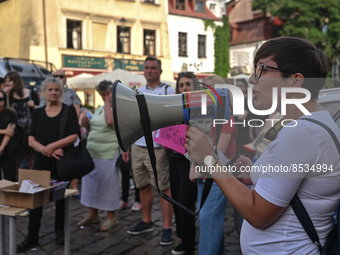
(164, 111)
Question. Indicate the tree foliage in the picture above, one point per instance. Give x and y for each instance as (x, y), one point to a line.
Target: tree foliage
(221, 46)
(315, 20)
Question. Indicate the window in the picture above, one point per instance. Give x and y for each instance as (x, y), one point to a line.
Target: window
(182, 44)
(149, 42)
(74, 34)
(123, 39)
(201, 46)
(180, 5)
(200, 6)
(99, 34)
(212, 7)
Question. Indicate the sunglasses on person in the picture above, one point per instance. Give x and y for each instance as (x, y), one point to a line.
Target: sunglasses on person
(59, 76)
(2, 99)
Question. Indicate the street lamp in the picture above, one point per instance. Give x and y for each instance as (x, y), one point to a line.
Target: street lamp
(122, 39)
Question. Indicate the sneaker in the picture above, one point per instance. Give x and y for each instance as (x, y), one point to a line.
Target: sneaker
(132, 185)
(123, 205)
(178, 250)
(167, 237)
(26, 245)
(140, 228)
(136, 207)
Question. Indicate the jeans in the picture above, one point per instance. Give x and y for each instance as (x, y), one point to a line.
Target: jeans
(211, 220)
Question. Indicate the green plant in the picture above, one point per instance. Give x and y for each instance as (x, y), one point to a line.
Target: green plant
(221, 46)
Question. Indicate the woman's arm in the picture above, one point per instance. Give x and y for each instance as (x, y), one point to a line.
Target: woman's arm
(4, 143)
(33, 101)
(9, 131)
(61, 143)
(256, 210)
(50, 148)
(35, 145)
(108, 111)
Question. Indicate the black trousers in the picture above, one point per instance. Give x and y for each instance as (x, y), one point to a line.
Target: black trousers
(8, 164)
(34, 220)
(126, 185)
(184, 191)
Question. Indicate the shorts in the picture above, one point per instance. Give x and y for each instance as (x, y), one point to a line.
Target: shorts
(142, 169)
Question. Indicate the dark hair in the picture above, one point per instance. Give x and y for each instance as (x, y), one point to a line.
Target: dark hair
(297, 55)
(104, 85)
(5, 98)
(189, 75)
(2, 80)
(245, 83)
(18, 83)
(151, 58)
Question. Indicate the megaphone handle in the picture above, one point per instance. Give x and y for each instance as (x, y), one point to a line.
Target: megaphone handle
(146, 124)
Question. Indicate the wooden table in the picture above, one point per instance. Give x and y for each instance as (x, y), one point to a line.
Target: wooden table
(13, 212)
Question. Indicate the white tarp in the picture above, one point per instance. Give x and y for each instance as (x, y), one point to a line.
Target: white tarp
(127, 78)
(73, 80)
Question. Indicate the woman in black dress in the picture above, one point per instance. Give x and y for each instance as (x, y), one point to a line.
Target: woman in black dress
(8, 122)
(44, 139)
(23, 101)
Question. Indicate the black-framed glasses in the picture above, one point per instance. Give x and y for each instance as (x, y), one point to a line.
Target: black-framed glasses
(59, 76)
(2, 99)
(259, 69)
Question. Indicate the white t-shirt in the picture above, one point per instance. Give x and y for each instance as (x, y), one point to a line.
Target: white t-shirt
(306, 143)
(160, 89)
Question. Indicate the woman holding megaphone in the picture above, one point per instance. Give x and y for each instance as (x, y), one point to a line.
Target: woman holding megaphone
(270, 225)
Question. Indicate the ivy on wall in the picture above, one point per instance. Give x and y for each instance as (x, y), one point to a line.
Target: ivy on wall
(221, 46)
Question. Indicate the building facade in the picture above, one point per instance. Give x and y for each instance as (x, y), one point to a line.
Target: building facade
(90, 36)
(249, 30)
(191, 45)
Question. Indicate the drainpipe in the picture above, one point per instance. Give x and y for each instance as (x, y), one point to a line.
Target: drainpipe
(45, 34)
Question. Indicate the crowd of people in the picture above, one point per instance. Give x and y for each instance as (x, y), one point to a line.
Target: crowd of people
(29, 129)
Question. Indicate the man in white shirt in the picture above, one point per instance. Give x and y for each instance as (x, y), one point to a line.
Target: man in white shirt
(141, 165)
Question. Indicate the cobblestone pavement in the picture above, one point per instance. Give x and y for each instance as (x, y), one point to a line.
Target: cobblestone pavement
(89, 240)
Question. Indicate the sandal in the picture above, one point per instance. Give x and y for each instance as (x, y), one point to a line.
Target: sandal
(108, 224)
(88, 221)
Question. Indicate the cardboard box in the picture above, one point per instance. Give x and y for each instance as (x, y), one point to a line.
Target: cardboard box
(10, 195)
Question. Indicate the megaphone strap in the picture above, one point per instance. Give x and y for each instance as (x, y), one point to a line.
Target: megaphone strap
(146, 124)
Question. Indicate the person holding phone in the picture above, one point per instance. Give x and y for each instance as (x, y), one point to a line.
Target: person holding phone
(8, 121)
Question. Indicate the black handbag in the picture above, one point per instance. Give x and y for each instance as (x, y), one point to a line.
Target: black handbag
(332, 244)
(77, 161)
(122, 164)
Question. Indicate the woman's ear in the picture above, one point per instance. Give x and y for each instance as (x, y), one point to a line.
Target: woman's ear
(298, 80)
